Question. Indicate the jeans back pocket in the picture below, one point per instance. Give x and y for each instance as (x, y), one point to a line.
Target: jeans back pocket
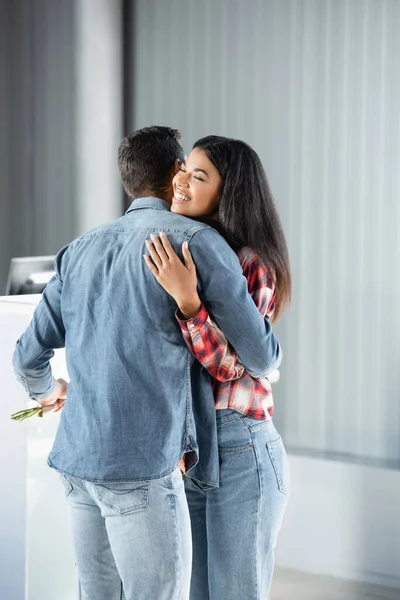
(280, 463)
(68, 487)
(123, 498)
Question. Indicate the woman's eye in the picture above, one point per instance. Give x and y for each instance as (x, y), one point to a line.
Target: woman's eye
(199, 178)
(183, 170)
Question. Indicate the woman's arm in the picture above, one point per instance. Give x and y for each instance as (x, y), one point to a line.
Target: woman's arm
(210, 347)
(225, 291)
(204, 338)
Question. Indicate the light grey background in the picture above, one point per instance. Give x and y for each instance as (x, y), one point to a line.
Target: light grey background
(313, 85)
(37, 113)
(60, 122)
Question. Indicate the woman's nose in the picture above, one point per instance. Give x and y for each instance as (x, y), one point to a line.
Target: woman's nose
(181, 179)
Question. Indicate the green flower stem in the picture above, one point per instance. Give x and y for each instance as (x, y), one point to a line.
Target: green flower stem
(27, 413)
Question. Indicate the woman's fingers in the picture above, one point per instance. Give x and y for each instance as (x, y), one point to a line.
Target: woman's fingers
(162, 256)
(167, 246)
(159, 248)
(154, 254)
(187, 256)
(151, 265)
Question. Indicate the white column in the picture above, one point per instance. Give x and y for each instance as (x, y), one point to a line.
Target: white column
(99, 110)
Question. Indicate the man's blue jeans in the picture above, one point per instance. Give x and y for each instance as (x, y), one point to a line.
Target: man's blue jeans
(235, 527)
(136, 533)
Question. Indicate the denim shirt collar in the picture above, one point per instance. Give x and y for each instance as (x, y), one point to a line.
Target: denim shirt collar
(150, 202)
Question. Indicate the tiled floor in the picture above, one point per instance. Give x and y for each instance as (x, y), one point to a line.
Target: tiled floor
(292, 585)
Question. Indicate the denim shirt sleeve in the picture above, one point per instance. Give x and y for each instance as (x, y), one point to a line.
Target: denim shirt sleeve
(223, 288)
(35, 347)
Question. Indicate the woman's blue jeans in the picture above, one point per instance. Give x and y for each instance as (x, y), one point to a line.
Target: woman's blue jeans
(235, 527)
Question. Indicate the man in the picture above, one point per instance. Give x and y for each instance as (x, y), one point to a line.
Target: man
(137, 400)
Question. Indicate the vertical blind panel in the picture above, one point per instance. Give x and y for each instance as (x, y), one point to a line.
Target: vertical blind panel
(53, 98)
(313, 86)
(37, 146)
(61, 113)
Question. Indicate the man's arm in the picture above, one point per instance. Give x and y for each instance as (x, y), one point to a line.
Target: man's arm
(223, 288)
(35, 347)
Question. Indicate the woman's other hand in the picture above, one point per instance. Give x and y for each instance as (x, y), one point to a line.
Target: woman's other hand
(178, 279)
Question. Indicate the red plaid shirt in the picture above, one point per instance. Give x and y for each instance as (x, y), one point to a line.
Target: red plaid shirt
(234, 388)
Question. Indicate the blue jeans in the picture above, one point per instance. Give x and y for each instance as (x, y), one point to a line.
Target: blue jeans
(131, 535)
(235, 527)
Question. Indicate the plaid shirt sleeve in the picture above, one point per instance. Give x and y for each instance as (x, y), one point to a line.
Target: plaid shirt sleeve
(208, 343)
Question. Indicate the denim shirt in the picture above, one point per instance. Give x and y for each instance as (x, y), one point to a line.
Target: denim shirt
(137, 399)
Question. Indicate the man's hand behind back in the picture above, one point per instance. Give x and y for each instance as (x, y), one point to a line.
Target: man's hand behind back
(56, 400)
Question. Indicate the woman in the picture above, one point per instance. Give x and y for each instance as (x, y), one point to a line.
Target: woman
(234, 527)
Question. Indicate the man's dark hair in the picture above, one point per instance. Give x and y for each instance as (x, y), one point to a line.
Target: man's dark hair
(146, 158)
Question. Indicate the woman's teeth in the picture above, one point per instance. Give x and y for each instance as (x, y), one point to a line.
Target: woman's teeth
(180, 198)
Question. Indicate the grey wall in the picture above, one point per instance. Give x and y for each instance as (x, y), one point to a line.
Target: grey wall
(99, 110)
(60, 120)
(38, 198)
(313, 85)
(4, 154)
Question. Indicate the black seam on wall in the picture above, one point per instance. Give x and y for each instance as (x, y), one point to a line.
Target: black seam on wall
(127, 62)
(128, 12)
(30, 201)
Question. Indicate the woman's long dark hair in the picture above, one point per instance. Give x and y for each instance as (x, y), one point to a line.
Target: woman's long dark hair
(247, 211)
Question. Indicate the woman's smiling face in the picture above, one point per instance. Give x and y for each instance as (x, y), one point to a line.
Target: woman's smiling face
(197, 187)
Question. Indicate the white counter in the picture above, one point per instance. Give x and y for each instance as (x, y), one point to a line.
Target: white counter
(36, 549)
